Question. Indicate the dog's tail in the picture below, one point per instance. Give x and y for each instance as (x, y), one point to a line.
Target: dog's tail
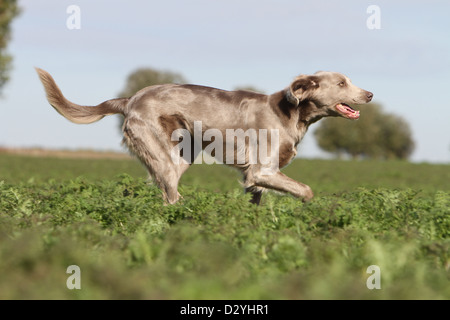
(75, 112)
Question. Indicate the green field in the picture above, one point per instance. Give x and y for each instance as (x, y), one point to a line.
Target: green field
(103, 216)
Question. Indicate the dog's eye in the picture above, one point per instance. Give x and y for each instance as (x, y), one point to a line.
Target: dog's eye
(341, 84)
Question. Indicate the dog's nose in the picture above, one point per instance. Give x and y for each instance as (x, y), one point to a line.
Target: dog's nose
(369, 95)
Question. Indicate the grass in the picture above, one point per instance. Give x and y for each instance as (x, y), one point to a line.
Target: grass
(103, 216)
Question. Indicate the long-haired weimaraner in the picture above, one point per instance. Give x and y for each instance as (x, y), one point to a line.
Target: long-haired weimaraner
(155, 113)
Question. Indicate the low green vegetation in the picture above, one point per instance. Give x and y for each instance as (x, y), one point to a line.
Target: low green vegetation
(103, 216)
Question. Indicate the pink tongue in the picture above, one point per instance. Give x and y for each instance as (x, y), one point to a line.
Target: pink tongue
(348, 109)
(353, 114)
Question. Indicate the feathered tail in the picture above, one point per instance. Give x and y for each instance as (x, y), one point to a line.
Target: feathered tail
(73, 111)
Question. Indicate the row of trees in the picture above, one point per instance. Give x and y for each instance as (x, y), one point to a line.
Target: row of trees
(376, 134)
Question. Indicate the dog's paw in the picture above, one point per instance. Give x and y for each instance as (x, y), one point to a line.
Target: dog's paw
(308, 194)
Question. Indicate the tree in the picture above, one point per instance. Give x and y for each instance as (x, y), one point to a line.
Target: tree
(145, 77)
(375, 135)
(8, 11)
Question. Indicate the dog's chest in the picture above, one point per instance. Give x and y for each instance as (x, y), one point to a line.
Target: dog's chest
(288, 151)
(301, 131)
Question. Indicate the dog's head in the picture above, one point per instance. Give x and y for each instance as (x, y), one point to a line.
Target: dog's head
(331, 93)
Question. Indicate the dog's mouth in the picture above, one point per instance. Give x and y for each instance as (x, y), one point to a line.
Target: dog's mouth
(346, 111)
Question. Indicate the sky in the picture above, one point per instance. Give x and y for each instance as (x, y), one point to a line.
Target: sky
(401, 53)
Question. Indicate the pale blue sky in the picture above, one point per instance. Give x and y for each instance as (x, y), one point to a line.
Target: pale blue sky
(224, 44)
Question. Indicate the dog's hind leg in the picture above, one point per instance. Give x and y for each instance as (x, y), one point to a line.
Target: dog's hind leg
(154, 153)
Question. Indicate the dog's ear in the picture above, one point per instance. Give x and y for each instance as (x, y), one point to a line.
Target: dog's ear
(302, 88)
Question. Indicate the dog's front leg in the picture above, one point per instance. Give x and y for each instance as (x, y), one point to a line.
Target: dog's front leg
(280, 182)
